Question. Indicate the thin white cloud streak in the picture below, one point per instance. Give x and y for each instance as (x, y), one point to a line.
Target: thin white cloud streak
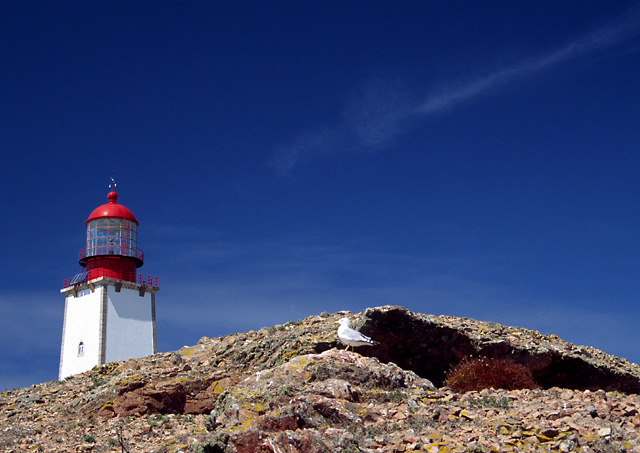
(379, 117)
(603, 38)
(311, 145)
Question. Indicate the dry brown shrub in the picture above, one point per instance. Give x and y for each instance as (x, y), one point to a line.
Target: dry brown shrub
(478, 374)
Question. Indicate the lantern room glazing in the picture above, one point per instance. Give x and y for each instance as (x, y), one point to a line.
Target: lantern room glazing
(112, 236)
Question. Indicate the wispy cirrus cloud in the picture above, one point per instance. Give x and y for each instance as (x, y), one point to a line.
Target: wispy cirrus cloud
(381, 111)
(605, 37)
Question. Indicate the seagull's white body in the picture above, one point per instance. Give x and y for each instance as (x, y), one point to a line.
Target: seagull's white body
(352, 337)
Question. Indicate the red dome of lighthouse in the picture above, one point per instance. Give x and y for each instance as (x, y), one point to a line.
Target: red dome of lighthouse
(112, 236)
(111, 209)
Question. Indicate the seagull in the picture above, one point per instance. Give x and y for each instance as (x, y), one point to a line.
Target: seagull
(352, 337)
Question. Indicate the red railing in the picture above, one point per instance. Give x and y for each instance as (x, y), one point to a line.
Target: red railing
(119, 250)
(97, 273)
(147, 280)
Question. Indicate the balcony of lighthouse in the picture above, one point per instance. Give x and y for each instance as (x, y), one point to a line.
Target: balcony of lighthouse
(113, 249)
(105, 274)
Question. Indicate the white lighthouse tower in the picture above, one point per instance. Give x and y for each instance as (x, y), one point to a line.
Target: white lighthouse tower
(109, 310)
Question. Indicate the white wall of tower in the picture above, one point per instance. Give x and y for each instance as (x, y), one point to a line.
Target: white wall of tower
(113, 319)
(82, 323)
(130, 326)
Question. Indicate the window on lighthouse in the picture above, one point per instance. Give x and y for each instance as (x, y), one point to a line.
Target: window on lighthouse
(111, 236)
(80, 349)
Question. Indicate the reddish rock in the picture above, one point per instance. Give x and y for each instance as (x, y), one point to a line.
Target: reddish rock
(136, 403)
(201, 404)
(250, 441)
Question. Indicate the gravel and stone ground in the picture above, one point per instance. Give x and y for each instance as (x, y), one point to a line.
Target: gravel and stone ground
(293, 388)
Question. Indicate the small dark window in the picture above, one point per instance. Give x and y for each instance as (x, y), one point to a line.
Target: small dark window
(80, 349)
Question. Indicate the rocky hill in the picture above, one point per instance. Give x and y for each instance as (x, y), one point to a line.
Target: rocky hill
(293, 388)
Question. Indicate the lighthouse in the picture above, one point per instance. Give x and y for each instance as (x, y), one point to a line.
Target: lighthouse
(109, 310)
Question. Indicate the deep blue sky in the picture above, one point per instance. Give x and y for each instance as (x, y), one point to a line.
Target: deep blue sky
(467, 158)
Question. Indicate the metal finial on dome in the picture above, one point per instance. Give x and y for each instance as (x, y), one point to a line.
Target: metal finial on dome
(112, 186)
(112, 196)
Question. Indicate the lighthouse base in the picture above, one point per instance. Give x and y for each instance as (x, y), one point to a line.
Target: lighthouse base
(106, 320)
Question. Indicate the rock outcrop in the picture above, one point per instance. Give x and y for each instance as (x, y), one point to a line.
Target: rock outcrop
(305, 396)
(293, 388)
(431, 345)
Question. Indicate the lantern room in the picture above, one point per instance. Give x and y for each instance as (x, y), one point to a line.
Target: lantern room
(111, 249)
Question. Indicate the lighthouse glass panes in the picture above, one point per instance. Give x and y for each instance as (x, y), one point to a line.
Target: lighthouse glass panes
(111, 236)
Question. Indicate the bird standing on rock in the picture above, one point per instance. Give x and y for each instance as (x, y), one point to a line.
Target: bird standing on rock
(352, 337)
